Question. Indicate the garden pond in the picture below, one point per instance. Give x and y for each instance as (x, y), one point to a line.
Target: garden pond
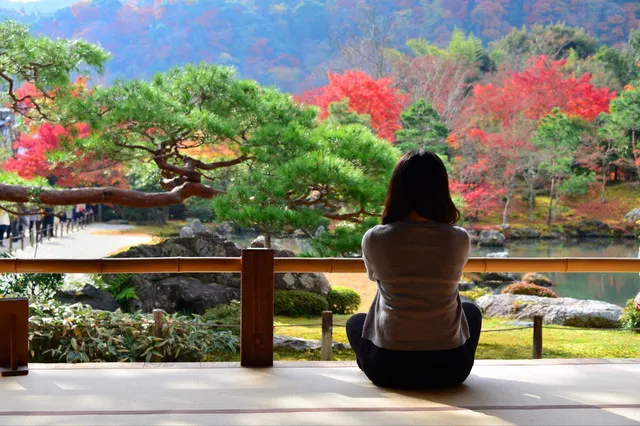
(613, 288)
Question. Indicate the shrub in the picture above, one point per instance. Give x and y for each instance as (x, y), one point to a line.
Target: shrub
(76, 333)
(631, 316)
(537, 279)
(298, 303)
(343, 300)
(225, 315)
(528, 289)
(119, 286)
(476, 293)
(33, 286)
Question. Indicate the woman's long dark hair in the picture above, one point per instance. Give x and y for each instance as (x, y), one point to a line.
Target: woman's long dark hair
(420, 184)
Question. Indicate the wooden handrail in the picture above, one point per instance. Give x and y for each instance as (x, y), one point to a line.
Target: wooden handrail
(285, 264)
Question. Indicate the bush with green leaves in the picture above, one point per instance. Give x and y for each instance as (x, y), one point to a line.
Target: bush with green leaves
(528, 289)
(119, 285)
(631, 316)
(476, 293)
(299, 303)
(76, 333)
(228, 314)
(343, 300)
(35, 287)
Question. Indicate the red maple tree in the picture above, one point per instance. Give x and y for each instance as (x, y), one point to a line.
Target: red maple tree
(31, 159)
(366, 95)
(536, 91)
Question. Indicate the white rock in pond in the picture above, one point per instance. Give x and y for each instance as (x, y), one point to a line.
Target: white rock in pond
(321, 230)
(633, 215)
(186, 232)
(492, 238)
(561, 310)
(500, 254)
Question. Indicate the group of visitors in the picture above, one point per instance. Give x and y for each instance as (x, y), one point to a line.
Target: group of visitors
(42, 224)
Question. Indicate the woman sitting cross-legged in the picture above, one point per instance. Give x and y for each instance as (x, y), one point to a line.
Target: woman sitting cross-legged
(417, 334)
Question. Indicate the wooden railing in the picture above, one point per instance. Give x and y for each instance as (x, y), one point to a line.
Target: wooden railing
(258, 267)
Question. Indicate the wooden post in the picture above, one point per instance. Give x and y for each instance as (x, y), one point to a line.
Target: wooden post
(14, 337)
(256, 308)
(537, 337)
(22, 241)
(327, 336)
(31, 237)
(158, 319)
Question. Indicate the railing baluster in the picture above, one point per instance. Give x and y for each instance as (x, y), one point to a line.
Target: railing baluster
(537, 337)
(256, 314)
(327, 336)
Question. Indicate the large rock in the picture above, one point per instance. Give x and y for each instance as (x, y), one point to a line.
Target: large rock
(588, 229)
(499, 255)
(561, 310)
(197, 227)
(492, 238)
(298, 344)
(186, 232)
(523, 234)
(198, 291)
(182, 294)
(633, 215)
(89, 295)
(316, 283)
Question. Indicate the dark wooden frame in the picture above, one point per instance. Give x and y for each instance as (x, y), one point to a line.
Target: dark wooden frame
(14, 337)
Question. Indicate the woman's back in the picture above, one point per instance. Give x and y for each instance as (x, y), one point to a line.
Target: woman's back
(417, 266)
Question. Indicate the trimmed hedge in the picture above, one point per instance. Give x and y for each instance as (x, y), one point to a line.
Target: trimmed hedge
(343, 300)
(298, 303)
(537, 279)
(528, 289)
(476, 292)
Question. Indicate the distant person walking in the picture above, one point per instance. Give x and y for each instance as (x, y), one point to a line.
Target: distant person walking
(5, 224)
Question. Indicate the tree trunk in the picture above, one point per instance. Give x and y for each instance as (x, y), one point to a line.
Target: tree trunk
(635, 154)
(267, 240)
(604, 185)
(532, 202)
(505, 210)
(551, 194)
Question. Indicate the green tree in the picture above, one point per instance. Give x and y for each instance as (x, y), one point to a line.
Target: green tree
(44, 64)
(624, 121)
(339, 114)
(422, 128)
(557, 139)
(554, 40)
(469, 48)
(332, 172)
(422, 47)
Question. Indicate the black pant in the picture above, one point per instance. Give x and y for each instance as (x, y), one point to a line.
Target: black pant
(416, 369)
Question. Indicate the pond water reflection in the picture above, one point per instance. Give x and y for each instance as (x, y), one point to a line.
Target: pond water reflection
(613, 288)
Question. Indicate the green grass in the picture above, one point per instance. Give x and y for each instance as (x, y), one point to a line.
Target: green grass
(563, 342)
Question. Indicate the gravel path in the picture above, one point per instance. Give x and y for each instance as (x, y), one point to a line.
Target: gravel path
(89, 243)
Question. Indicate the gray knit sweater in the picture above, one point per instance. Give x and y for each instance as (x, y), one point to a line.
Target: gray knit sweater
(417, 266)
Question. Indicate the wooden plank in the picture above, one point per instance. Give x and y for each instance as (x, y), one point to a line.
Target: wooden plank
(327, 336)
(256, 315)
(537, 337)
(14, 337)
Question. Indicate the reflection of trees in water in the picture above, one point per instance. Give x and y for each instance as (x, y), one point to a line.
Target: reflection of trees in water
(614, 288)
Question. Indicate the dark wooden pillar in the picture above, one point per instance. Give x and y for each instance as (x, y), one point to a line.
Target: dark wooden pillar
(14, 337)
(256, 311)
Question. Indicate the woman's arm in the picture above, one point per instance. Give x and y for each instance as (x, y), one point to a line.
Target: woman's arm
(366, 241)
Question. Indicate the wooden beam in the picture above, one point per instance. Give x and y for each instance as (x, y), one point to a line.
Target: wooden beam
(14, 337)
(256, 312)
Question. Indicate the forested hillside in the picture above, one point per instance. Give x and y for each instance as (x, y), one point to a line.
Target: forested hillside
(291, 43)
